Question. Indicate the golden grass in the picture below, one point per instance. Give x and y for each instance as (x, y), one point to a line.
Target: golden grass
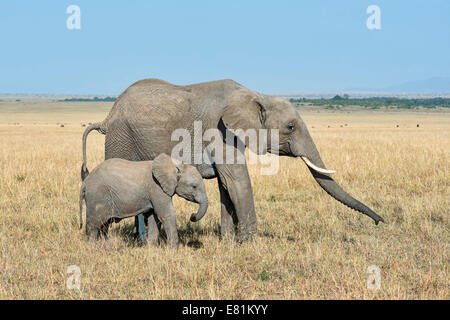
(308, 245)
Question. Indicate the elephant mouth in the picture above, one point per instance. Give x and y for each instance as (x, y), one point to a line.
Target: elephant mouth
(316, 168)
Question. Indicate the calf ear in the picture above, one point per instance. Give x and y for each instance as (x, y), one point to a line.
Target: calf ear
(166, 173)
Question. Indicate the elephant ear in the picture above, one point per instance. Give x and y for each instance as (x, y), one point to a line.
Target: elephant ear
(244, 110)
(166, 172)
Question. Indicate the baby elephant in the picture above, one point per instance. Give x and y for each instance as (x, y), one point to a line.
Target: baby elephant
(119, 189)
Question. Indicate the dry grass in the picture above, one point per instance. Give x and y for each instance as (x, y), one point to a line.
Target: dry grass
(308, 245)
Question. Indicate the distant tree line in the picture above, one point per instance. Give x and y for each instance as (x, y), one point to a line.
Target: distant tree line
(95, 99)
(377, 102)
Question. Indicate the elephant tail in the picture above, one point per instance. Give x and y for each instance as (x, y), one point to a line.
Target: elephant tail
(82, 195)
(100, 127)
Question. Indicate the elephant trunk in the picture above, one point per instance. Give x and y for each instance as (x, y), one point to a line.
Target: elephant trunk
(317, 168)
(334, 190)
(201, 211)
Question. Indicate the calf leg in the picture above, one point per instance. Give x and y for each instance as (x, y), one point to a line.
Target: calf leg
(166, 213)
(153, 227)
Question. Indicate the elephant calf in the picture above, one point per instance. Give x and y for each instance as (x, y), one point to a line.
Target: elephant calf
(119, 189)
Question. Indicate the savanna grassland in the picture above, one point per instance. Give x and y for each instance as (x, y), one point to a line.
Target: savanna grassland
(308, 245)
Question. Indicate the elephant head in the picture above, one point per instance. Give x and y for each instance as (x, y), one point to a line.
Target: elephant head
(246, 110)
(182, 179)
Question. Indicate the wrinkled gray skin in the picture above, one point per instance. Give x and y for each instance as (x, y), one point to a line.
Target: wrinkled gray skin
(140, 124)
(119, 189)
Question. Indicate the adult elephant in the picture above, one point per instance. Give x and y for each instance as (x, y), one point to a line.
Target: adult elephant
(142, 120)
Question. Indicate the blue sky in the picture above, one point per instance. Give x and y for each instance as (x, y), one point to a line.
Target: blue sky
(268, 46)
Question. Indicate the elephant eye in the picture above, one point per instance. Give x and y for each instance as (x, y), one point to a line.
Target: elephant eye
(194, 186)
(290, 127)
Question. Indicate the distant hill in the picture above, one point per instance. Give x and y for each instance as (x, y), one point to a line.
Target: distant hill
(431, 85)
(436, 85)
(428, 88)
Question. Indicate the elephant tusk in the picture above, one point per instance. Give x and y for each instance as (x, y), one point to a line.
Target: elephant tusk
(316, 168)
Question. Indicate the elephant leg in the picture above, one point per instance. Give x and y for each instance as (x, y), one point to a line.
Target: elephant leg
(92, 232)
(228, 221)
(153, 226)
(235, 180)
(93, 223)
(165, 212)
(170, 226)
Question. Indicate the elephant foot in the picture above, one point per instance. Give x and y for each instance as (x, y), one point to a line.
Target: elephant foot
(227, 232)
(240, 234)
(247, 237)
(228, 238)
(246, 233)
(173, 244)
